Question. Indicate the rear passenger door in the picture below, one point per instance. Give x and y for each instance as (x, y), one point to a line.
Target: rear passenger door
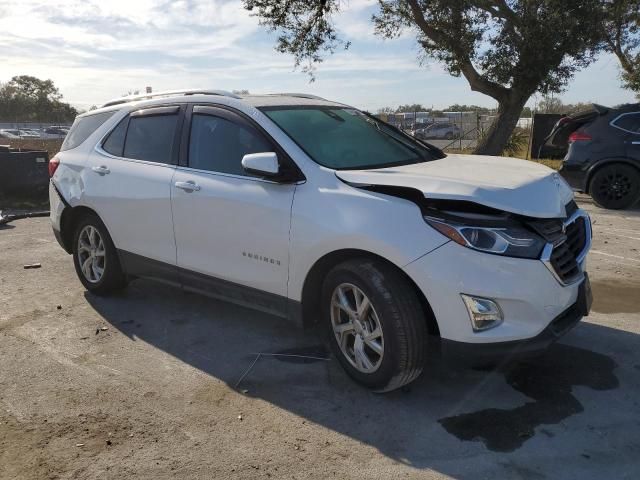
(129, 184)
(232, 228)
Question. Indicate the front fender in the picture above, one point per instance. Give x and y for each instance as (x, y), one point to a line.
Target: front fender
(351, 218)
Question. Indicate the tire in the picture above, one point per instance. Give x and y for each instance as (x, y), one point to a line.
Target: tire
(85, 250)
(394, 307)
(449, 136)
(615, 186)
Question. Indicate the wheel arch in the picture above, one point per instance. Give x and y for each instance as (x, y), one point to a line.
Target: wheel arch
(600, 164)
(69, 219)
(312, 286)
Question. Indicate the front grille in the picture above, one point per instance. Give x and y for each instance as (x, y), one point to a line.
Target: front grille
(564, 256)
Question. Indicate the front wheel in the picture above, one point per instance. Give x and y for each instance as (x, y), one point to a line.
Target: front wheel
(95, 257)
(615, 186)
(376, 323)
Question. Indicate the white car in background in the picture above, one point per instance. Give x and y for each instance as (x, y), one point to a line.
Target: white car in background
(315, 211)
(8, 134)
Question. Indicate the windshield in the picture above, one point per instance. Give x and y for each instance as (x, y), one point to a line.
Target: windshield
(345, 138)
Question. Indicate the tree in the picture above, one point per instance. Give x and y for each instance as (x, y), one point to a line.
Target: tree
(410, 108)
(506, 49)
(622, 36)
(385, 110)
(25, 98)
(467, 108)
(550, 104)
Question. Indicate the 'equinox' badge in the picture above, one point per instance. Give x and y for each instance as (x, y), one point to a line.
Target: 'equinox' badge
(261, 258)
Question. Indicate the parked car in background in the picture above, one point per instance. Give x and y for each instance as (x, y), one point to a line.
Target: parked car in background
(318, 212)
(7, 134)
(29, 134)
(603, 156)
(54, 132)
(439, 131)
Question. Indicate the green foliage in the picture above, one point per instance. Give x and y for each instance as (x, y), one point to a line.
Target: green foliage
(25, 98)
(507, 49)
(622, 30)
(555, 105)
(518, 142)
(416, 107)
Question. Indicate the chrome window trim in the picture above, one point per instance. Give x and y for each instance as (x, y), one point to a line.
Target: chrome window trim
(612, 123)
(98, 148)
(548, 249)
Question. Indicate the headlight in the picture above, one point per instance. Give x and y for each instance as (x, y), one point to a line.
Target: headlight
(512, 241)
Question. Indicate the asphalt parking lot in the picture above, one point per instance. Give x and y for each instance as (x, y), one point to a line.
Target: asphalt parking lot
(155, 383)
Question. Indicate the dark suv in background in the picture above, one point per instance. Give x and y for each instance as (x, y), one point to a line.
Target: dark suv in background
(603, 155)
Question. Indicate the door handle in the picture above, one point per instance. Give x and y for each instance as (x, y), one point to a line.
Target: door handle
(189, 186)
(102, 170)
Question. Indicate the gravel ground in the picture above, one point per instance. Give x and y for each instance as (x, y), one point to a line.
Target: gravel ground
(145, 385)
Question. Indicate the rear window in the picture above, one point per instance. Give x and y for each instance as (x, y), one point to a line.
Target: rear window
(82, 128)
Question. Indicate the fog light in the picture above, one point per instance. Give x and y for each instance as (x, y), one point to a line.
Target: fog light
(484, 313)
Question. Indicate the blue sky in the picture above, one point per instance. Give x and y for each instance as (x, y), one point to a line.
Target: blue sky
(95, 50)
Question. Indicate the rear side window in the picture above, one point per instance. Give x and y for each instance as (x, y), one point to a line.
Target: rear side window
(218, 145)
(151, 137)
(629, 122)
(114, 144)
(82, 128)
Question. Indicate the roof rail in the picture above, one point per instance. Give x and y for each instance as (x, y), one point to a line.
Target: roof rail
(168, 93)
(300, 95)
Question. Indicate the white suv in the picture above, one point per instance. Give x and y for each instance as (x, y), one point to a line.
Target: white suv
(316, 211)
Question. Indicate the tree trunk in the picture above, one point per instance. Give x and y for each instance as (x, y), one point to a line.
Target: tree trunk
(496, 139)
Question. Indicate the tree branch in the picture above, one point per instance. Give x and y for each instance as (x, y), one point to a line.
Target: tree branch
(477, 82)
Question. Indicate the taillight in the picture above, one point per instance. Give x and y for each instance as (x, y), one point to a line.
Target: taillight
(54, 163)
(579, 137)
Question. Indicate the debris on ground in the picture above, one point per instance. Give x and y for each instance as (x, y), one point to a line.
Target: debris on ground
(79, 444)
(8, 217)
(31, 265)
(240, 417)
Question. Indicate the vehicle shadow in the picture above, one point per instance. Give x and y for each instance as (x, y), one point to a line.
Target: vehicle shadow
(446, 415)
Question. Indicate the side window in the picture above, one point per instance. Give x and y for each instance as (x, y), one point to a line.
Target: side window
(114, 144)
(82, 128)
(151, 137)
(218, 145)
(629, 122)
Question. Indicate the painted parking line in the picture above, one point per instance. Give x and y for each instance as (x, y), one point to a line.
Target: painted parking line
(626, 259)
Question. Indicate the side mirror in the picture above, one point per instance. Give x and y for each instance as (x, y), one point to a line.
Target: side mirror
(263, 164)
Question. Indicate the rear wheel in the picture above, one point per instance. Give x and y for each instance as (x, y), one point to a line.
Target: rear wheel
(95, 257)
(615, 186)
(376, 323)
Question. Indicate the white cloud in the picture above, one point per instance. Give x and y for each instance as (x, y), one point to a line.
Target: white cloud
(95, 50)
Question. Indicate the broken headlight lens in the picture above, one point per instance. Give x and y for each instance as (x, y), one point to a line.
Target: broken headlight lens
(512, 241)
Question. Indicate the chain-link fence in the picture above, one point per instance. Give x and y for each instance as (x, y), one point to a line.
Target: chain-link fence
(454, 131)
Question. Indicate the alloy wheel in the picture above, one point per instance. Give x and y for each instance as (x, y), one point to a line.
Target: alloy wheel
(357, 328)
(615, 186)
(91, 254)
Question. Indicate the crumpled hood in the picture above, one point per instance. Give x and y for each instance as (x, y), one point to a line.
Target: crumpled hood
(517, 186)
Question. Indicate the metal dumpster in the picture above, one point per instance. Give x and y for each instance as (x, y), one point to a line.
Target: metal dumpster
(24, 177)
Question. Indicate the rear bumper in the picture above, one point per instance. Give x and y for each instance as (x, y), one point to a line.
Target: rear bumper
(575, 175)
